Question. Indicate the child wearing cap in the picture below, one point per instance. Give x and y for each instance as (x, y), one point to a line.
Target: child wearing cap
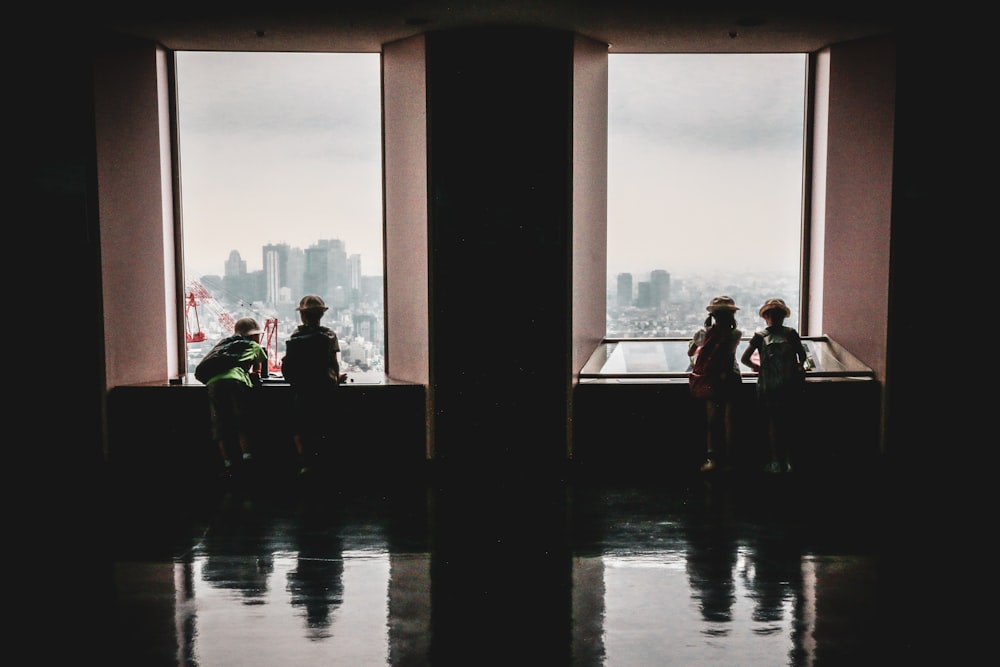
(229, 397)
(311, 365)
(780, 363)
(715, 376)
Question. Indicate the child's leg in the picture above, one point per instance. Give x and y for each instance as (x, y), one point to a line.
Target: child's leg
(224, 452)
(712, 415)
(773, 436)
(302, 449)
(711, 426)
(228, 467)
(729, 429)
(245, 447)
(785, 436)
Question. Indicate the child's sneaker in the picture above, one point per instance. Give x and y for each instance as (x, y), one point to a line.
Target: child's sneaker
(773, 466)
(708, 465)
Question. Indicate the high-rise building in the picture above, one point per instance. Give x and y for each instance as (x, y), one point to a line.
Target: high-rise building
(326, 271)
(296, 272)
(624, 292)
(354, 278)
(659, 284)
(275, 270)
(236, 280)
(644, 294)
(372, 290)
(366, 326)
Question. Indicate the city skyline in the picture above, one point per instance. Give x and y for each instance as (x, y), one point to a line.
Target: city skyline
(662, 287)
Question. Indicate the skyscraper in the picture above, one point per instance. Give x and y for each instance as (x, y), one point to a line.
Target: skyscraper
(659, 287)
(275, 270)
(326, 271)
(624, 292)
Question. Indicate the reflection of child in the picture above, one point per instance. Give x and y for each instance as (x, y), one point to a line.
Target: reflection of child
(229, 397)
(781, 368)
(714, 350)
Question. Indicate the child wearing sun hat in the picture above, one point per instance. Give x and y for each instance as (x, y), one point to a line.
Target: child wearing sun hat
(780, 364)
(715, 376)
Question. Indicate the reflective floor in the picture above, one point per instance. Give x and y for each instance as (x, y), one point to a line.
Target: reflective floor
(748, 569)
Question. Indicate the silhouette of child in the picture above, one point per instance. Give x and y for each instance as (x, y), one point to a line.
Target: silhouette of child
(311, 365)
(229, 398)
(781, 379)
(715, 376)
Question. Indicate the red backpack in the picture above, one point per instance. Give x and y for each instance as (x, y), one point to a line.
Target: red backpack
(707, 368)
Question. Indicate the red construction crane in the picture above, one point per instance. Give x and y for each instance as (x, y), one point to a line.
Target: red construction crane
(191, 308)
(197, 295)
(269, 339)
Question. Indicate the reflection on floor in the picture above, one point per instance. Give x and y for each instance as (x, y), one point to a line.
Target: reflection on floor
(750, 570)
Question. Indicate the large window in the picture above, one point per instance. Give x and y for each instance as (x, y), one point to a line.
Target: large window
(281, 192)
(281, 196)
(705, 187)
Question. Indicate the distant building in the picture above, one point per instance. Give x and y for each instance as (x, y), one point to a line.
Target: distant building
(326, 269)
(624, 291)
(644, 294)
(659, 289)
(275, 265)
(372, 290)
(368, 327)
(237, 281)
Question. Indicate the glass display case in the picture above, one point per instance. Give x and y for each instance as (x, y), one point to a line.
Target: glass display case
(666, 360)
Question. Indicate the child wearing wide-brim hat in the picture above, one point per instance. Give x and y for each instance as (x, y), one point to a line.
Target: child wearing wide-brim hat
(775, 304)
(715, 376)
(314, 350)
(777, 355)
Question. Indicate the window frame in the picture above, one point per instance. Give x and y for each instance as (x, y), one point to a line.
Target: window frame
(805, 281)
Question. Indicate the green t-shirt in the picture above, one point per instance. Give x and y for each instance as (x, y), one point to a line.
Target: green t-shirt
(254, 353)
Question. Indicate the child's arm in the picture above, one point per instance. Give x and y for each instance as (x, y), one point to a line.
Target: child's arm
(696, 341)
(335, 359)
(260, 362)
(747, 358)
(801, 355)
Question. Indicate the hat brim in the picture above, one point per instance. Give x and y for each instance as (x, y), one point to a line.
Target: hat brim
(713, 309)
(786, 310)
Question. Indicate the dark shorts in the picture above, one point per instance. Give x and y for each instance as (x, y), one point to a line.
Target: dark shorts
(229, 403)
(780, 401)
(727, 390)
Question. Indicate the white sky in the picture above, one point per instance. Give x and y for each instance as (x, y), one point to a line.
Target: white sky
(705, 158)
(705, 162)
(279, 148)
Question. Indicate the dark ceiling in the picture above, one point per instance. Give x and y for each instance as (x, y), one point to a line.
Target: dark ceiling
(628, 26)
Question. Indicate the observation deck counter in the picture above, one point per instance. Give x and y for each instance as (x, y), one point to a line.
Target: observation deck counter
(634, 414)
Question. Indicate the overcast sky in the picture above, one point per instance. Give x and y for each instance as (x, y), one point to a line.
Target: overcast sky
(705, 158)
(704, 162)
(279, 148)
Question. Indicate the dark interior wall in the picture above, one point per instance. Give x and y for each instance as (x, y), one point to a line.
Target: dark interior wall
(58, 232)
(57, 407)
(937, 217)
(499, 127)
